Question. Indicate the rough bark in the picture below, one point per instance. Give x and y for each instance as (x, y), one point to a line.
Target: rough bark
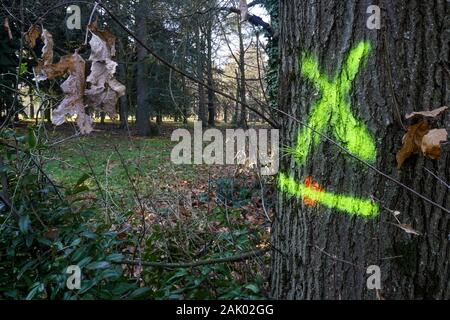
(322, 253)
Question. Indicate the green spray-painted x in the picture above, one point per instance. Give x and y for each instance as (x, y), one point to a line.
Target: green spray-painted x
(333, 111)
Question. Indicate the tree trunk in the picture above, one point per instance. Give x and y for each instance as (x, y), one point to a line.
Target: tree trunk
(143, 110)
(123, 75)
(200, 74)
(242, 86)
(211, 95)
(102, 117)
(31, 114)
(185, 106)
(321, 252)
(237, 108)
(225, 113)
(159, 118)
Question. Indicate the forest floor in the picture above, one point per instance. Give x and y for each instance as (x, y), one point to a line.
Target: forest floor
(191, 212)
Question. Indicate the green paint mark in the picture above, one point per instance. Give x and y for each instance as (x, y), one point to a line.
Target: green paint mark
(333, 109)
(333, 113)
(352, 205)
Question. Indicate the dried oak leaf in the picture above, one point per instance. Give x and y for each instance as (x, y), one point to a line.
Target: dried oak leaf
(52, 234)
(7, 28)
(46, 69)
(408, 229)
(32, 35)
(53, 70)
(412, 142)
(428, 114)
(431, 143)
(106, 36)
(104, 90)
(73, 103)
(47, 50)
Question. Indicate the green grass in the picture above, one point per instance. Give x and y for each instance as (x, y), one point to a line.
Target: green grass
(96, 156)
(182, 221)
(147, 161)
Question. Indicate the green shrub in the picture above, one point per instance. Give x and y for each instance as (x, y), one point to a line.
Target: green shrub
(42, 233)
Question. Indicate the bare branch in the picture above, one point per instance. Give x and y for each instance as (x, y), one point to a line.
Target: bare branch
(236, 258)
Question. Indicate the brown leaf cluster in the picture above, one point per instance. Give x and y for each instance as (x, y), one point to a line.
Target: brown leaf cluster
(103, 90)
(73, 103)
(99, 90)
(420, 138)
(46, 69)
(106, 36)
(431, 143)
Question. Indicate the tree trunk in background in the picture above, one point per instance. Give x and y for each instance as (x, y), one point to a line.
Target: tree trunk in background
(47, 113)
(143, 109)
(242, 86)
(185, 106)
(30, 92)
(200, 75)
(211, 96)
(159, 118)
(123, 101)
(238, 96)
(185, 103)
(323, 253)
(225, 113)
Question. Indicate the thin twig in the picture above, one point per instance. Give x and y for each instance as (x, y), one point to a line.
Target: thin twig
(236, 258)
(90, 21)
(437, 177)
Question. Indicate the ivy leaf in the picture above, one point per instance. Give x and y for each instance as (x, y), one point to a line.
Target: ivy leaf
(98, 265)
(252, 288)
(32, 140)
(24, 223)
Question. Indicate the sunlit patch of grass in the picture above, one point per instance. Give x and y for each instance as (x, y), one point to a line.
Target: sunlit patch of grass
(96, 155)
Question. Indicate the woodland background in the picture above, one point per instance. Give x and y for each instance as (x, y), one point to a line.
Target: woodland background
(97, 189)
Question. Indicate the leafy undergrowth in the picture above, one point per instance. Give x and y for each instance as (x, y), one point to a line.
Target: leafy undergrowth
(43, 232)
(191, 213)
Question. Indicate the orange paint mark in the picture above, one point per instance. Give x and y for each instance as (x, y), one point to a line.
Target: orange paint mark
(311, 184)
